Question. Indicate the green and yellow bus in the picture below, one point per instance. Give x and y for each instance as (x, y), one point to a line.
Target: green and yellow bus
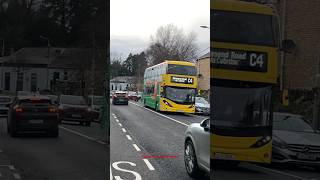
(244, 44)
(170, 86)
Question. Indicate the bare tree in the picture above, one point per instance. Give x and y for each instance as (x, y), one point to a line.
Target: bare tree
(172, 43)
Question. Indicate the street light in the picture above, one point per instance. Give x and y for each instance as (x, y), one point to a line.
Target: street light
(48, 45)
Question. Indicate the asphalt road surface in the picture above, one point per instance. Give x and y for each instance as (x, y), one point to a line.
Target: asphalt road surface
(80, 153)
(148, 145)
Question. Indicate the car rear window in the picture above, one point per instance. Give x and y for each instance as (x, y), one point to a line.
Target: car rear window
(35, 102)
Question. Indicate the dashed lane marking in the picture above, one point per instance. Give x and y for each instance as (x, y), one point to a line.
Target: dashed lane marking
(149, 165)
(16, 176)
(101, 142)
(172, 119)
(129, 138)
(120, 124)
(11, 167)
(124, 130)
(136, 147)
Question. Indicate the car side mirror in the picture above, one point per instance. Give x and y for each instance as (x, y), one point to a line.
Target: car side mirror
(205, 124)
(287, 45)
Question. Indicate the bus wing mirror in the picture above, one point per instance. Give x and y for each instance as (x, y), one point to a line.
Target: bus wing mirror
(287, 45)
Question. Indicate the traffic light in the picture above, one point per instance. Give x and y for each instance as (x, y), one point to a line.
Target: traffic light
(285, 97)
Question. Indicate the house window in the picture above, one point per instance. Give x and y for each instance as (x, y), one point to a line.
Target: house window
(33, 81)
(7, 81)
(65, 76)
(19, 81)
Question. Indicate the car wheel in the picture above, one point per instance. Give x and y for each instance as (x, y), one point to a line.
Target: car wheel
(54, 132)
(190, 160)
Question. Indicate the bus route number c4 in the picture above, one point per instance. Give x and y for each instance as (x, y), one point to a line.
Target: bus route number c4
(256, 60)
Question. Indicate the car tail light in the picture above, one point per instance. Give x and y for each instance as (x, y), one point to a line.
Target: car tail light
(17, 109)
(52, 109)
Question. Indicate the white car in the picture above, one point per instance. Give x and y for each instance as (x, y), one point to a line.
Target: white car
(202, 106)
(197, 148)
(5, 102)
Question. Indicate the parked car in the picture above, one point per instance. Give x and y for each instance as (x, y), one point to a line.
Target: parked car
(196, 148)
(95, 102)
(120, 97)
(133, 96)
(75, 109)
(295, 141)
(5, 102)
(202, 106)
(32, 113)
(54, 99)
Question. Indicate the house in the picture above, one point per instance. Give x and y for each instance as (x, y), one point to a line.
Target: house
(54, 69)
(203, 69)
(123, 83)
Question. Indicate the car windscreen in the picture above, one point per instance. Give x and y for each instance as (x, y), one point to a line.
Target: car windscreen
(243, 28)
(181, 70)
(291, 123)
(241, 107)
(73, 100)
(201, 100)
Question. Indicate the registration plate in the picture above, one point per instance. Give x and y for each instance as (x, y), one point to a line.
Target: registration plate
(76, 116)
(224, 156)
(36, 121)
(306, 156)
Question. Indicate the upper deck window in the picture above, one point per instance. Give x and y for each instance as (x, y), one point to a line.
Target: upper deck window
(182, 70)
(243, 28)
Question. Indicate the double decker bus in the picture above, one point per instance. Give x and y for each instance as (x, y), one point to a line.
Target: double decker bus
(244, 43)
(170, 86)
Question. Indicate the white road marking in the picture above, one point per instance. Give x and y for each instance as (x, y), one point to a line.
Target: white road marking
(77, 133)
(101, 142)
(151, 168)
(16, 176)
(0, 175)
(120, 124)
(11, 167)
(124, 130)
(1, 151)
(111, 177)
(161, 114)
(115, 166)
(276, 171)
(129, 137)
(117, 120)
(136, 147)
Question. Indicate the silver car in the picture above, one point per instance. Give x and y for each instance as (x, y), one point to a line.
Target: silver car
(295, 141)
(197, 148)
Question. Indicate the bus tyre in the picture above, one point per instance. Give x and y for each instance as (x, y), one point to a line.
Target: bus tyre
(190, 160)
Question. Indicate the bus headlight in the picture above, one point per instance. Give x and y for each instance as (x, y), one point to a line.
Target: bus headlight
(261, 142)
(166, 103)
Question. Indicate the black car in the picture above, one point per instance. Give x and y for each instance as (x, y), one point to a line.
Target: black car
(32, 113)
(120, 97)
(295, 141)
(74, 108)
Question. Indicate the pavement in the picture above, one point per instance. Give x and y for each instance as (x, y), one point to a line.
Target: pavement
(79, 153)
(148, 145)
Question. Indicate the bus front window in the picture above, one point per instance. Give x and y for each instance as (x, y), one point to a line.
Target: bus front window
(241, 107)
(180, 95)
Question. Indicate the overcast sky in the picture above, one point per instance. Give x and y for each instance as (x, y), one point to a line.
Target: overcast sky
(134, 21)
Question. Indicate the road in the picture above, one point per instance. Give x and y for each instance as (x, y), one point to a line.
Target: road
(148, 145)
(79, 153)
